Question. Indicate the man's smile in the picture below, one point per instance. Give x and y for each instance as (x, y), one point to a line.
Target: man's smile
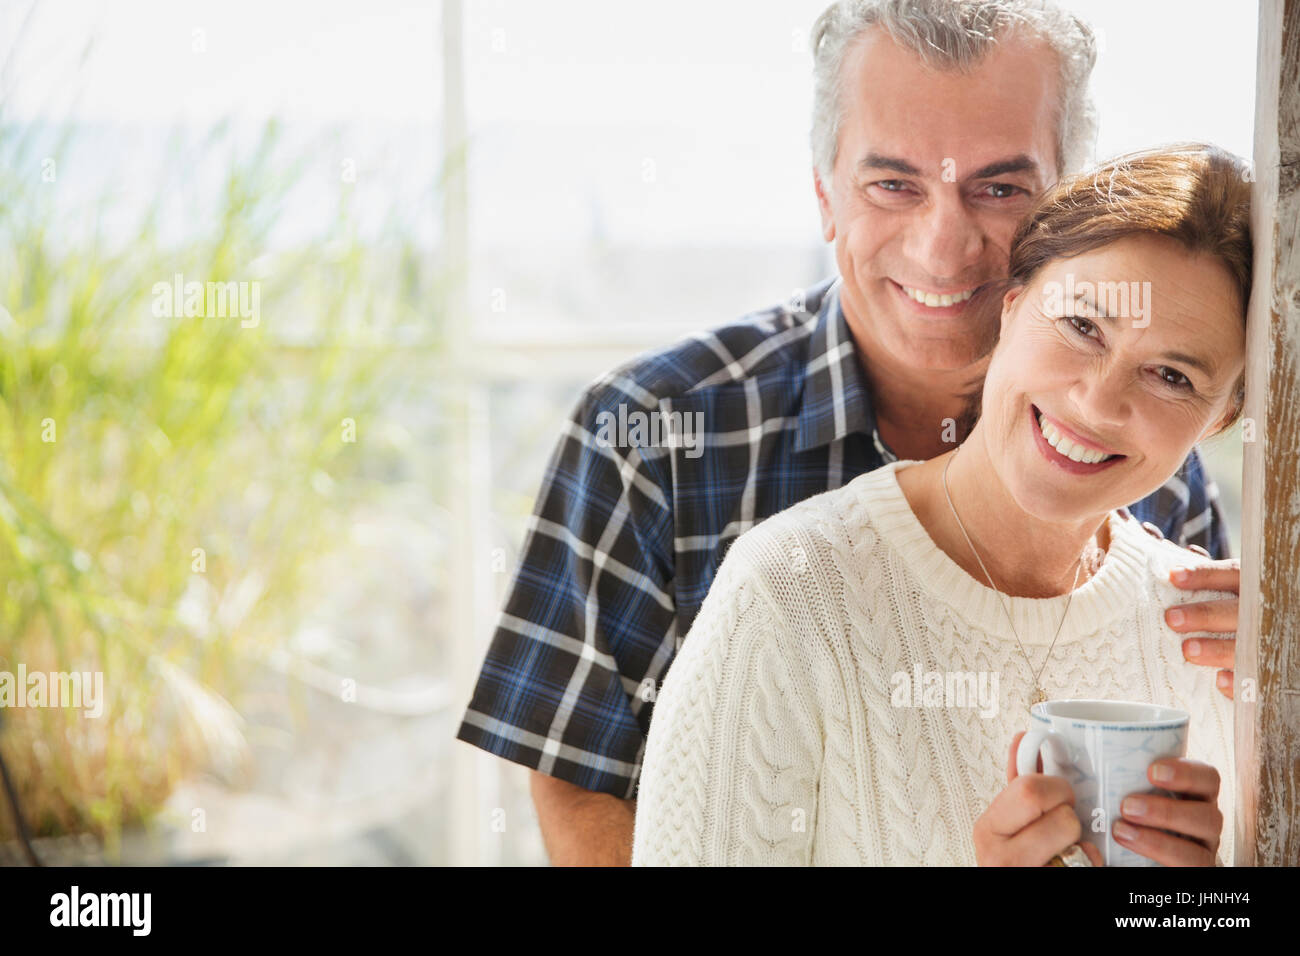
(936, 302)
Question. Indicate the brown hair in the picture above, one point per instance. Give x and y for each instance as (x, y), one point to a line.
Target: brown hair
(1194, 193)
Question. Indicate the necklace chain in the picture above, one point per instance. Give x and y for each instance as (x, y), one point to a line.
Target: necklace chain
(1038, 690)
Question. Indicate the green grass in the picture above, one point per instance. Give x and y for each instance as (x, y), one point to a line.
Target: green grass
(173, 434)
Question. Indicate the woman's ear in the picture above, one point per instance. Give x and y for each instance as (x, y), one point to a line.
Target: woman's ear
(1008, 302)
(1236, 407)
(1219, 424)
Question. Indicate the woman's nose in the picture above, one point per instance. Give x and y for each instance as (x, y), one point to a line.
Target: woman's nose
(1102, 400)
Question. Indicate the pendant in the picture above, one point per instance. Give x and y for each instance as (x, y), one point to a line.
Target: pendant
(1038, 697)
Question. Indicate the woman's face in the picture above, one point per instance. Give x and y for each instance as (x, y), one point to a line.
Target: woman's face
(1131, 351)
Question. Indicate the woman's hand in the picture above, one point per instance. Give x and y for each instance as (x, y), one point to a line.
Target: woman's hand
(1030, 821)
(1195, 816)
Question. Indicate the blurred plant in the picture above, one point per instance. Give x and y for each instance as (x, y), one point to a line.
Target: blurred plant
(171, 435)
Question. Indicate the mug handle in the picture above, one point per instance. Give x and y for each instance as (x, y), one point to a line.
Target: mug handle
(1032, 743)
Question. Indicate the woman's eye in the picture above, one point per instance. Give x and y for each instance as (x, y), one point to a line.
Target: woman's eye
(1082, 326)
(1174, 378)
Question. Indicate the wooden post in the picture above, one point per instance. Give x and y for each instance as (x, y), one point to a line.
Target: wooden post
(1268, 636)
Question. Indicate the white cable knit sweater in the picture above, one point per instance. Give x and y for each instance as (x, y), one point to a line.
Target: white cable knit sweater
(776, 738)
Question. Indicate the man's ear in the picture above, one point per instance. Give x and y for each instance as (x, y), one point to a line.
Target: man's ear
(824, 204)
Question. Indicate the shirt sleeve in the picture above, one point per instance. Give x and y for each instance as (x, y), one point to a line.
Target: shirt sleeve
(1211, 531)
(1187, 509)
(733, 757)
(589, 611)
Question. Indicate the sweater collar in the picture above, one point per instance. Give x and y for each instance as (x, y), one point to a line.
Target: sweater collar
(1101, 600)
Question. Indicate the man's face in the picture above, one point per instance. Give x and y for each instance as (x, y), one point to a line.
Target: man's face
(934, 171)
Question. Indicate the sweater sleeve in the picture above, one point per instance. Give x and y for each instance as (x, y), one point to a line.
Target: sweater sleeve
(734, 752)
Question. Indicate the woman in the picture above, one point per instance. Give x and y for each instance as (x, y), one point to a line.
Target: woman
(810, 716)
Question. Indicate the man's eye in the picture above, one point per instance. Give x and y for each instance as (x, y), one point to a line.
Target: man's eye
(1003, 190)
(892, 185)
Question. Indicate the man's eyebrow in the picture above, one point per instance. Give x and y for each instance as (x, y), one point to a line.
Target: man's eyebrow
(1012, 164)
(877, 161)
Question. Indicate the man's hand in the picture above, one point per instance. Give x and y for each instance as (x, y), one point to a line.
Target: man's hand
(1219, 616)
(581, 827)
(1194, 816)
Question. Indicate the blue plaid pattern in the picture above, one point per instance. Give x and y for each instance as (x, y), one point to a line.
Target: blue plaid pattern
(625, 539)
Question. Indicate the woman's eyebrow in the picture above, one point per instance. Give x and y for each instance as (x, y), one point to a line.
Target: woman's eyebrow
(1191, 360)
(1197, 363)
(1083, 297)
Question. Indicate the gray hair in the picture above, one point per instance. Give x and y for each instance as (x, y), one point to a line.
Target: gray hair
(954, 34)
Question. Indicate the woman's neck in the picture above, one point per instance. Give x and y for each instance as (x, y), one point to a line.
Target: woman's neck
(1025, 555)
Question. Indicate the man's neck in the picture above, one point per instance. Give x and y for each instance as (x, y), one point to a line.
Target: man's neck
(920, 412)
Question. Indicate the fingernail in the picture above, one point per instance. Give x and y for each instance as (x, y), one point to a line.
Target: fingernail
(1134, 807)
(1124, 832)
(1193, 648)
(1179, 575)
(1162, 772)
(1224, 680)
(1175, 617)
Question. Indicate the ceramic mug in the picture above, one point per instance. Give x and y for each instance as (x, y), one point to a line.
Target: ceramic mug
(1102, 748)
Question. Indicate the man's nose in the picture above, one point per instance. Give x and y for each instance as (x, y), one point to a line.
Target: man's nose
(946, 239)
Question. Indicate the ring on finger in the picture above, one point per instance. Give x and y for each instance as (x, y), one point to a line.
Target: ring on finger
(1072, 855)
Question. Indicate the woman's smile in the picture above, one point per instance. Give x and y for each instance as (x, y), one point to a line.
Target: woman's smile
(1066, 449)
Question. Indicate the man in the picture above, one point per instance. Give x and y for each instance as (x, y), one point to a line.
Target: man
(930, 141)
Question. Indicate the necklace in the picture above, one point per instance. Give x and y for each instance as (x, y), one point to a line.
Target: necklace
(1038, 696)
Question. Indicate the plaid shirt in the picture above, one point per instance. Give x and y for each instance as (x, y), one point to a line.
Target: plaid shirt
(626, 538)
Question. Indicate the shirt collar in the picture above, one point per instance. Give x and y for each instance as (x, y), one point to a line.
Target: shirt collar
(836, 398)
